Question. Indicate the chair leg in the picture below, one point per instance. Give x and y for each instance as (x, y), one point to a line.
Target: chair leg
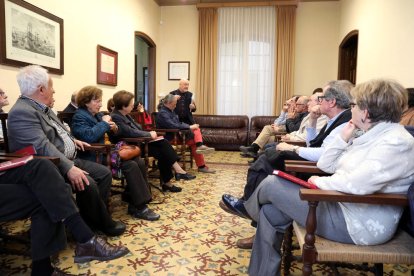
(287, 250)
(378, 269)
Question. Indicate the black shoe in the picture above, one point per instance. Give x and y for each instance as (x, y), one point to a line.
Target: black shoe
(184, 176)
(146, 213)
(173, 188)
(98, 249)
(235, 206)
(118, 228)
(247, 149)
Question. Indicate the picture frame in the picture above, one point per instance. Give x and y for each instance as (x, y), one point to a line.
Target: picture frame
(178, 70)
(107, 66)
(30, 35)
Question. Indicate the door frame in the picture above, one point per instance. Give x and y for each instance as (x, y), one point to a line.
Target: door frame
(151, 70)
(343, 51)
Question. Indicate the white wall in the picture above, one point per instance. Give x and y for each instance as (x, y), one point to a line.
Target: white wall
(316, 53)
(178, 42)
(386, 44)
(87, 23)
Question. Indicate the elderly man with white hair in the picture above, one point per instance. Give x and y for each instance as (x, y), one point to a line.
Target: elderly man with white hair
(31, 122)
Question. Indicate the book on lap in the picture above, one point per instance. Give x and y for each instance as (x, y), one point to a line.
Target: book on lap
(295, 179)
(14, 163)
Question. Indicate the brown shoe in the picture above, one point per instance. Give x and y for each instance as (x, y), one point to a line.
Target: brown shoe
(98, 249)
(246, 243)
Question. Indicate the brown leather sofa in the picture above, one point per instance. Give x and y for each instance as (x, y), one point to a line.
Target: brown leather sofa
(257, 123)
(224, 132)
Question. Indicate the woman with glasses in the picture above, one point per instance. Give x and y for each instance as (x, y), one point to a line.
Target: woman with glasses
(89, 125)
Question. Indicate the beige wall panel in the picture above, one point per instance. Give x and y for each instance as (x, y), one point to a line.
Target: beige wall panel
(87, 23)
(316, 57)
(178, 42)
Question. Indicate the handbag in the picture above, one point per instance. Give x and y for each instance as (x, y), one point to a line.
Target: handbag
(127, 152)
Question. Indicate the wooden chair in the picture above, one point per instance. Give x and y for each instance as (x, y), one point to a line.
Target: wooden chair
(399, 250)
(5, 142)
(179, 142)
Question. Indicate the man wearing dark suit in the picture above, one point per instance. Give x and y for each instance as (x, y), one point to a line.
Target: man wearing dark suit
(32, 122)
(72, 106)
(185, 103)
(38, 190)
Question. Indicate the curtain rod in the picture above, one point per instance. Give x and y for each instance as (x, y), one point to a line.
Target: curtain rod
(248, 4)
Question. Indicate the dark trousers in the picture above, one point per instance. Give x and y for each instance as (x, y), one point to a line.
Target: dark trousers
(166, 156)
(264, 166)
(38, 190)
(91, 201)
(137, 186)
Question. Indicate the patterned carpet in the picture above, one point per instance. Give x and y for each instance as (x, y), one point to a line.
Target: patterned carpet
(193, 237)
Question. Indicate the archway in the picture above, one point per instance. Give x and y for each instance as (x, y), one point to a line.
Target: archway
(145, 62)
(348, 54)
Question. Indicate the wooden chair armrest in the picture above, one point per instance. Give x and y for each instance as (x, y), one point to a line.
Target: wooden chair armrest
(167, 130)
(296, 143)
(302, 168)
(98, 148)
(334, 196)
(137, 140)
(300, 162)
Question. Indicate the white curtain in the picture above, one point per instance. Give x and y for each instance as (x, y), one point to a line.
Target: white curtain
(246, 61)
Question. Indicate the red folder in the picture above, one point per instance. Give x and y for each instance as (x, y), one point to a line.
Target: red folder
(294, 179)
(17, 162)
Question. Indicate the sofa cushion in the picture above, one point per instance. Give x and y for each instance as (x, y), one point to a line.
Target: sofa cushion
(223, 132)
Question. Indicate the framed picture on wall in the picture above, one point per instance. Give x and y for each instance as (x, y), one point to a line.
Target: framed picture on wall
(107, 66)
(30, 35)
(178, 70)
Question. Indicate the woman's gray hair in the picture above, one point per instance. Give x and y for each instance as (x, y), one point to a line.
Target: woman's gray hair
(339, 90)
(166, 100)
(30, 78)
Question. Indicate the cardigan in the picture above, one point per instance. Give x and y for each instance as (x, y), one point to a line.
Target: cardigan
(379, 161)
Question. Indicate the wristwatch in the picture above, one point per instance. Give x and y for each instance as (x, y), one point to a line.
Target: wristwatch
(295, 149)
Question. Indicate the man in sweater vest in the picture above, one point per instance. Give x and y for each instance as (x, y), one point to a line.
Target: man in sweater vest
(334, 103)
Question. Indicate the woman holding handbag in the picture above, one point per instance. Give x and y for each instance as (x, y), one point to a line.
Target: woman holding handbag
(160, 149)
(89, 125)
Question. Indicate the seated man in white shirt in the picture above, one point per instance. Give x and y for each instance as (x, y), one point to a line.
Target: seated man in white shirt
(335, 105)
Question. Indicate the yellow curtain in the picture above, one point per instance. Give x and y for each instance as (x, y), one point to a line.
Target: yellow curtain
(285, 57)
(207, 61)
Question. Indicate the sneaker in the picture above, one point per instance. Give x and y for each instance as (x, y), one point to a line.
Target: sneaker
(206, 169)
(203, 149)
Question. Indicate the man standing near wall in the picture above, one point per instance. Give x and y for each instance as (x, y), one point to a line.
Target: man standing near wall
(185, 103)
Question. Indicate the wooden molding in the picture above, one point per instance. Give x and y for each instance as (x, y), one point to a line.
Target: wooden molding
(248, 4)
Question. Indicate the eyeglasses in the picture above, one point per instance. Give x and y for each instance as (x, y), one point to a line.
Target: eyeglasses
(320, 98)
(352, 105)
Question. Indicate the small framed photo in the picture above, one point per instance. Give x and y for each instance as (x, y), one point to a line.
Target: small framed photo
(107, 66)
(178, 70)
(30, 35)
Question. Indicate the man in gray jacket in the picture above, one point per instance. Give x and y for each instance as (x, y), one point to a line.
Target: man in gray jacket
(31, 122)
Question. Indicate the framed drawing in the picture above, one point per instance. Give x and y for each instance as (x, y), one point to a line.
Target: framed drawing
(30, 35)
(107, 66)
(178, 70)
